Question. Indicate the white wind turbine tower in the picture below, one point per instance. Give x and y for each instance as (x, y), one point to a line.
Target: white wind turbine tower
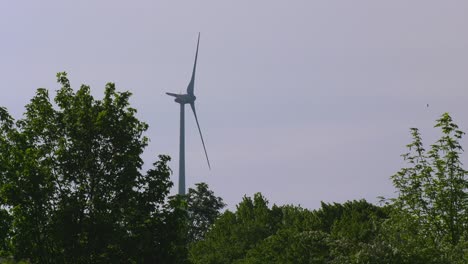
(183, 99)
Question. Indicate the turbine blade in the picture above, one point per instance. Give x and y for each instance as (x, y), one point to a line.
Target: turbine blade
(192, 80)
(172, 94)
(199, 130)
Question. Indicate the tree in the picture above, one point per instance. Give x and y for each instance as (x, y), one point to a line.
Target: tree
(290, 246)
(71, 190)
(255, 233)
(357, 221)
(432, 205)
(335, 233)
(203, 209)
(233, 234)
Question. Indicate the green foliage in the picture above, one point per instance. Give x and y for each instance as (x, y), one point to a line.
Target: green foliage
(354, 229)
(234, 233)
(354, 220)
(203, 209)
(290, 246)
(431, 211)
(71, 190)
(10, 260)
(256, 233)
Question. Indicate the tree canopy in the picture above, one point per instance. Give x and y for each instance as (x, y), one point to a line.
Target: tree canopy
(430, 214)
(71, 187)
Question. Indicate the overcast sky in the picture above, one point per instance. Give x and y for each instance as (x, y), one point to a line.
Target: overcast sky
(304, 101)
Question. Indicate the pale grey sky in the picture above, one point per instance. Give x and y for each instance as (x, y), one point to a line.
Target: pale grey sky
(301, 100)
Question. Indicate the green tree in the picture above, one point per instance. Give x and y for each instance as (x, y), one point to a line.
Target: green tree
(335, 233)
(233, 234)
(71, 190)
(431, 210)
(358, 221)
(290, 246)
(255, 233)
(354, 229)
(203, 209)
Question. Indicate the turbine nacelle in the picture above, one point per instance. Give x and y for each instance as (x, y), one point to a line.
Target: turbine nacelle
(183, 98)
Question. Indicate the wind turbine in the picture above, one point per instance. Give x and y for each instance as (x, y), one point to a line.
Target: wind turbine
(183, 99)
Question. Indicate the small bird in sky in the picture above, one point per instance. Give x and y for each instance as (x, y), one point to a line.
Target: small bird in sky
(427, 105)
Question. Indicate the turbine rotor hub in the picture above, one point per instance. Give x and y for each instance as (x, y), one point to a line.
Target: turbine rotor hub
(185, 98)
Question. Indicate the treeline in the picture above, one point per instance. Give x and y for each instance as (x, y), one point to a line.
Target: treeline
(353, 232)
(72, 191)
(255, 233)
